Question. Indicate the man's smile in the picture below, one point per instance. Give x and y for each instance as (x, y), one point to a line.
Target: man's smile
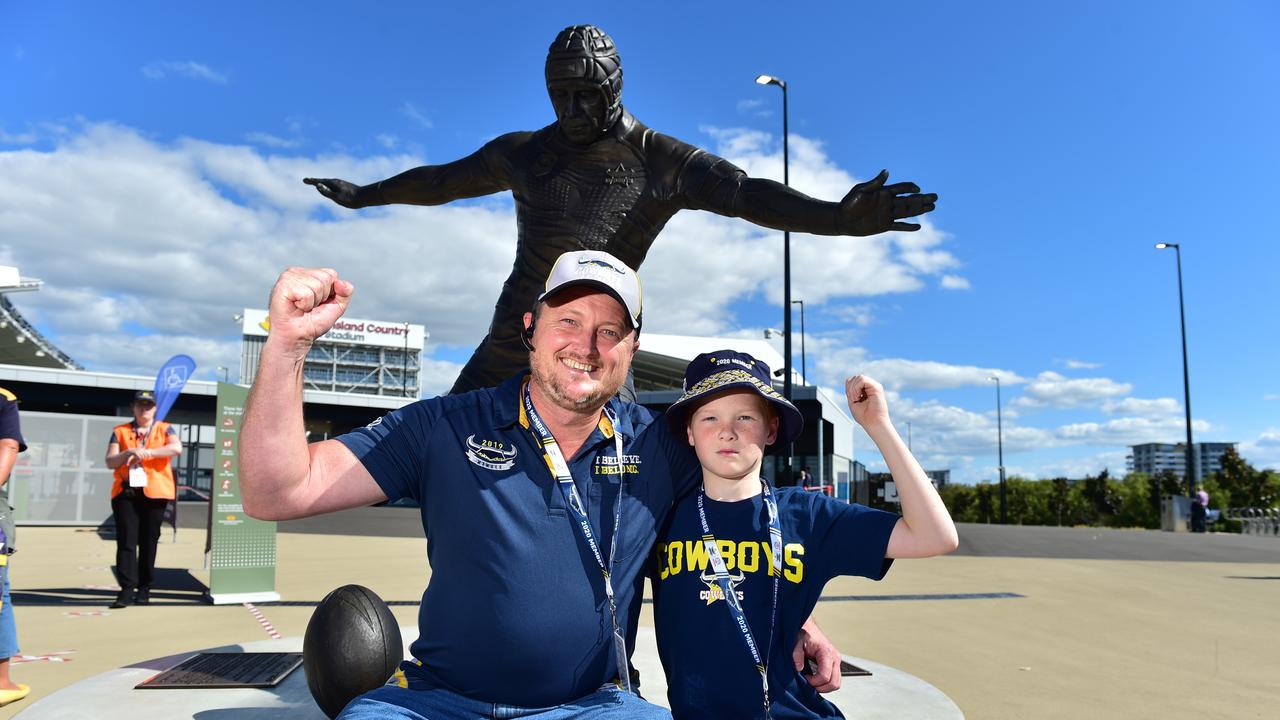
(575, 365)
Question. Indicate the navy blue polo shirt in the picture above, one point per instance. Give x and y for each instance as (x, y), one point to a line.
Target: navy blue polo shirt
(10, 425)
(515, 611)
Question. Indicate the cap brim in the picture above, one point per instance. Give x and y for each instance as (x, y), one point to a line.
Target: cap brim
(633, 318)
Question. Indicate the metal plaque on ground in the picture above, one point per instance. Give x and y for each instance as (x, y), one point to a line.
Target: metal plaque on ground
(226, 670)
(848, 669)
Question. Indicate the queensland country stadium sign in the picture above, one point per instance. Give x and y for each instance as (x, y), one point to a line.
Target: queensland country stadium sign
(349, 331)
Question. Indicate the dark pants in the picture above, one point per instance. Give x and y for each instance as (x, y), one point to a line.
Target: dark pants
(138, 519)
(1197, 517)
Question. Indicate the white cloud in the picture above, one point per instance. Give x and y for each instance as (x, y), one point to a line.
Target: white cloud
(954, 282)
(858, 315)
(1081, 364)
(1051, 389)
(271, 141)
(26, 138)
(412, 112)
(1271, 396)
(1263, 452)
(1155, 408)
(162, 69)
(900, 374)
(755, 107)
(195, 256)
(1128, 431)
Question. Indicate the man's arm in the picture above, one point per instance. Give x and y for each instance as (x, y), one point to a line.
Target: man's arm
(925, 528)
(282, 476)
(8, 456)
(481, 173)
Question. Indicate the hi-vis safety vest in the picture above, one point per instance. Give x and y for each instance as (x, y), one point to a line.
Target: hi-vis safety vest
(160, 484)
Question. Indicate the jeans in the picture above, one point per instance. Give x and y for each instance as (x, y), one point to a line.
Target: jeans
(8, 628)
(389, 701)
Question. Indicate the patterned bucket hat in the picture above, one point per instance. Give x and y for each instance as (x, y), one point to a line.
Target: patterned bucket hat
(714, 372)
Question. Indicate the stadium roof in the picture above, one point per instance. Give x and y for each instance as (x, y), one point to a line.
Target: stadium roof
(20, 342)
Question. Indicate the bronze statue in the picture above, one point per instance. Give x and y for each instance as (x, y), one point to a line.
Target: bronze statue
(598, 179)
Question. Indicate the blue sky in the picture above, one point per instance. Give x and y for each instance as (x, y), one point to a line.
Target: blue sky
(151, 157)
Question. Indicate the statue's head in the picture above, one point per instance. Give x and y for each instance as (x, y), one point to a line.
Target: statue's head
(584, 80)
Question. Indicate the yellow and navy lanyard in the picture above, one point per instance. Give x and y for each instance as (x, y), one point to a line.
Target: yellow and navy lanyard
(560, 469)
(731, 597)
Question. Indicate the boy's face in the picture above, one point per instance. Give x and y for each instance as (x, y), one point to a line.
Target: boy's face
(729, 433)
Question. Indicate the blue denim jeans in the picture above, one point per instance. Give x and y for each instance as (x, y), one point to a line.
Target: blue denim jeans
(389, 701)
(8, 628)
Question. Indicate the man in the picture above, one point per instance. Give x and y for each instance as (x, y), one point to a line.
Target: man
(141, 452)
(11, 443)
(598, 179)
(540, 499)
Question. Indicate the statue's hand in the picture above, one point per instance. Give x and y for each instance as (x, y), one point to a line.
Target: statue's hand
(873, 207)
(339, 191)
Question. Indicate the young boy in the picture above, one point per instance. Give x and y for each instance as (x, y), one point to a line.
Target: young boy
(726, 619)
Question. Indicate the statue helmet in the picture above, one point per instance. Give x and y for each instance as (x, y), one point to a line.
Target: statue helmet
(584, 53)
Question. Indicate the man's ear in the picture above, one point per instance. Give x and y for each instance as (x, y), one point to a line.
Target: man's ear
(528, 320)
(773, 430)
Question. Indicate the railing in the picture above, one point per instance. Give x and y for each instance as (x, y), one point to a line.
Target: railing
(1257, 521)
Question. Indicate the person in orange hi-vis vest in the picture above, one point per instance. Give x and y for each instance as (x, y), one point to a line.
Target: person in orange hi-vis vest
(141, 454)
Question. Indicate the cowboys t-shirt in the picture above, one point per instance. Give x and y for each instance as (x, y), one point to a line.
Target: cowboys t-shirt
(710, 672)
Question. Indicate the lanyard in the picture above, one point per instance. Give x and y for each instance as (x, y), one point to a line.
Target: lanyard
(560, 468)
(139, 437)
(731, 597)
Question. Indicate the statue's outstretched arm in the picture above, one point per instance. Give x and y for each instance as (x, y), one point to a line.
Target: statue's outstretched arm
(477, 174)
(869, 208)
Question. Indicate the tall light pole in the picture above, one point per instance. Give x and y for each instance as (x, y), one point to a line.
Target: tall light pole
(804, 362)
(223, 370)
(1000, 449)
(786, 246)
(1186, 377)
(786, 263)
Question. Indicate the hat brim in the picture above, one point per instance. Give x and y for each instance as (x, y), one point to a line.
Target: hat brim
(790, 420)
(633, 318)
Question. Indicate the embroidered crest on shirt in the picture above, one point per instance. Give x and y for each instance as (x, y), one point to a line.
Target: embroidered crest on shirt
(713, 591)
(622, 175)
(490, 454)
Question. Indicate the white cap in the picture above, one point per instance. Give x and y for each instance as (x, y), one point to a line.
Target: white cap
(600, 270)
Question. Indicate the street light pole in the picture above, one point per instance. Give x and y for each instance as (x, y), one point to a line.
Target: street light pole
(223, 370)
(786, 245)
(804, 361)
(1004, 517)
(1186, 376)
(786, 264)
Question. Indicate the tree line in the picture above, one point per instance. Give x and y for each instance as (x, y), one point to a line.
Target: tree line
(1132, 501)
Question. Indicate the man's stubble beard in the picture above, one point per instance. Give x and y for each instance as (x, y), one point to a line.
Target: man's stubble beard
(550, 386)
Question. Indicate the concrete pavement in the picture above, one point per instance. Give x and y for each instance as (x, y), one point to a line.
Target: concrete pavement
(1032, 622)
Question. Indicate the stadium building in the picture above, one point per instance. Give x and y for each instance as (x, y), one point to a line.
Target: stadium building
(361, 357)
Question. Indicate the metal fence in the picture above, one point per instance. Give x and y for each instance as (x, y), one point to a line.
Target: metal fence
(1257, 521)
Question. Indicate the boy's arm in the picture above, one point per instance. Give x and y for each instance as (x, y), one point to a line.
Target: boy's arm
(926, 528)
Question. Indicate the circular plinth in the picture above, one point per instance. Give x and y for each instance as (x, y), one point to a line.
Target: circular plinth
(886, 693)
